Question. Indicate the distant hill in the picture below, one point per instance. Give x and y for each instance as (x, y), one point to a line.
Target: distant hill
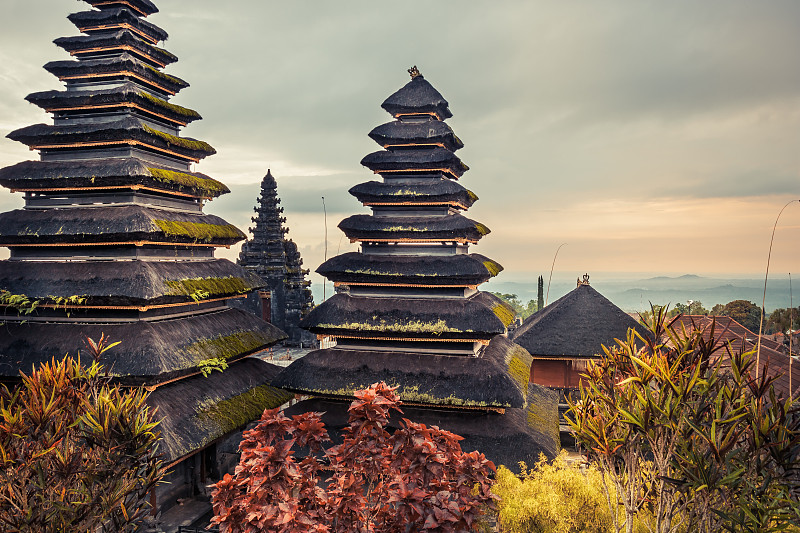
(636, 294)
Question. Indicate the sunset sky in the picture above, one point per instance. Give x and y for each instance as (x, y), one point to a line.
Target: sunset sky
(654, 138)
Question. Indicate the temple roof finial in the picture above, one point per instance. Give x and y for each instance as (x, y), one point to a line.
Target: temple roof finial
(414, 71)
(584, 281)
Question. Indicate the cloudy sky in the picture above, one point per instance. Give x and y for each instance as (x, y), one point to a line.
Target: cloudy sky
(651, 137)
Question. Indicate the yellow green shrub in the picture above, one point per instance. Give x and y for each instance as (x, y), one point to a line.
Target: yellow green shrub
(556, 497)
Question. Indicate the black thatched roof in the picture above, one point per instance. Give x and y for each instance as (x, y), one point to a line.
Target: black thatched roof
(578, 324)
(435, 191)
(114, 224)
(519, 434)
(424, 318)
(198, 410)
(498, 378)
(417, 96)
(452, 227)
(150, 352)
(461, 269)
(428, 132)
(124, 37)
(145, 7)
(125, 65)
(116, 16)
(110, 172)
(128, 93)
(128, 283)
(424, 159)
(127, 130)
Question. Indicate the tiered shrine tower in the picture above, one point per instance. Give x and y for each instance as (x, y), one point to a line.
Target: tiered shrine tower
(277, 261)
(408, 310)
(113, 240)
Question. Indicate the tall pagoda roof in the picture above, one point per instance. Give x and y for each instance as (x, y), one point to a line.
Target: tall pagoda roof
(118, 224)
(436, 192)
(124, 131)
(417, 97)
(578, 324)
(121, 40)
(417, 161)
(125, 66)
(194, 415)
(461, 269)
(454, 227)
(112, 173)
(150, 352)
(143, 7)
(497, 379)
(127, 95)
(400, 134)
(92, 21)
(127, 283)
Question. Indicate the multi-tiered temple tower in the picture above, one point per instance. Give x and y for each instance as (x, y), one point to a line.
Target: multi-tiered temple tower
(277, 261)
(408, 310)
(113, 240)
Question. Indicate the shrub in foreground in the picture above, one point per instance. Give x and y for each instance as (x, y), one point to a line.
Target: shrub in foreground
(76, 453)
(415, 479)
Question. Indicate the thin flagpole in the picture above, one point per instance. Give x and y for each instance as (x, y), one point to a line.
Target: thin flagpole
(325, 216)
(766, 276)
(551, 273)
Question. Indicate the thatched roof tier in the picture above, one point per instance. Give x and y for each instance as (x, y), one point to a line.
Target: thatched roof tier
(520, 434)
(417, 97)
(429, 132)
(119, 17)
(126, 131)
(128, 283)
(425, 160)
(432, 192)
(109, 173)
(198, 410)
(578, 324)
(120, 41)
(129, 96)
(124, 66)
(143, 7)
(118, 224)
(496, 379)
(477, 317)
(149, 352)
(453, 227)
(458, 270)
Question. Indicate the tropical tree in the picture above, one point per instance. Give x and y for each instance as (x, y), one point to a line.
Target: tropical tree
(416, 479)
(681, 429)
(76, 452)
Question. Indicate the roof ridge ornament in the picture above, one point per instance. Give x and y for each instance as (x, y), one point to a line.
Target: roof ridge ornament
(414, 72)
(584, 281)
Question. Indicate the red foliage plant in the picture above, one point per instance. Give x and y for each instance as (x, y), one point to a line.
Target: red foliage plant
(415, 479)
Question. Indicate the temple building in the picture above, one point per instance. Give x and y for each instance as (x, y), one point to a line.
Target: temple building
(113, 240)
(270, 255)
(566, 335)
(408, 310)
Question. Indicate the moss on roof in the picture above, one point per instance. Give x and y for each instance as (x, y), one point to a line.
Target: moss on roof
(413, 326)
(505, 315)
(240, 410)
(225, 346)
(210, 286)
(189, 144)
(493, 267)
(206, 185)
(182, 111)
(199, 231)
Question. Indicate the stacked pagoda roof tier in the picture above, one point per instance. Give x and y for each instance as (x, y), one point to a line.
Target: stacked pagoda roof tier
(113, 239)
(408, 310)
(276, 259)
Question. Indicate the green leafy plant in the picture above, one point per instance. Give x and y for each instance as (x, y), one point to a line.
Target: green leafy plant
(76, 452)
(682, 430)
